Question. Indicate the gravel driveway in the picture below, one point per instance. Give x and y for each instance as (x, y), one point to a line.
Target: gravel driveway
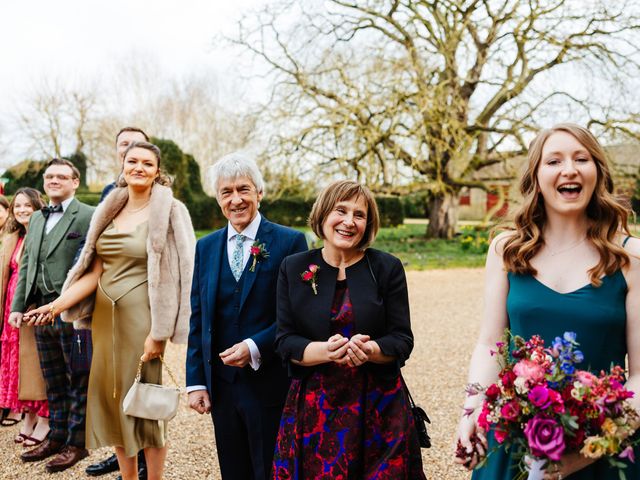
(445, 306)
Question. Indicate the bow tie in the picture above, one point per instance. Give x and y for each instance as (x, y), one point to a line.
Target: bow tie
(46, 211)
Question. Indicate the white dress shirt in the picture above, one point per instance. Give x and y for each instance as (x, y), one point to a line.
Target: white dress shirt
(54, 218)
(250, 233)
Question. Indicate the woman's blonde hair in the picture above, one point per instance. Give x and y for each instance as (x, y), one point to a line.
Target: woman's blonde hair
(339, 192)
(608, 216)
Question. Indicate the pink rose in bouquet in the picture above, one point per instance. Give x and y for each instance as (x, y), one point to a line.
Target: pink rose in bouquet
(530, 371)
(545, 437)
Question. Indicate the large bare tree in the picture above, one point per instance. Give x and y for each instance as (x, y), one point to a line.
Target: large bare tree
(424, 93)
(56, 119)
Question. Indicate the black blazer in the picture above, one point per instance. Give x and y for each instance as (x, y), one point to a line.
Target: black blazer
(378, 290)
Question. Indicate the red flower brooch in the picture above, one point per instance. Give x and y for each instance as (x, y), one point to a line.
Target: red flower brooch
(259, 253)
(311, 276)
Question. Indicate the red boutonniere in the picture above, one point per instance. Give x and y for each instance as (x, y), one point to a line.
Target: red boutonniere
(311, 276)
(259, 253)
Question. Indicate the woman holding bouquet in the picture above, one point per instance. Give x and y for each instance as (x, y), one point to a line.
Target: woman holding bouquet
(343, 330)
(569, 265)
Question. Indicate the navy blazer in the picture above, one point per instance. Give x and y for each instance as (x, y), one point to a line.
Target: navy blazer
(378, 290)
(257, 301)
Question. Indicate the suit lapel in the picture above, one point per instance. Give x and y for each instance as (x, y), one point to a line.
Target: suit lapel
(62, 226)
(213, 274)
(34, 237)
(264, 235)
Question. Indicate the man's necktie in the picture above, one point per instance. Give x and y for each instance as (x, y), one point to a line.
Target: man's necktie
(238, 257)
(46, 211)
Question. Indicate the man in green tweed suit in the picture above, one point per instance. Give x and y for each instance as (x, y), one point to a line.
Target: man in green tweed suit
(50, 247)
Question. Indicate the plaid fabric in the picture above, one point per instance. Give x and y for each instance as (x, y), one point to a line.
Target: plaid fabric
(66, 386)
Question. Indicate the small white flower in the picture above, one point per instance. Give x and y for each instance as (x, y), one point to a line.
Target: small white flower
(521, 385)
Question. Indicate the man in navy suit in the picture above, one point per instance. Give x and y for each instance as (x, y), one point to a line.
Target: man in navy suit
(232, 369)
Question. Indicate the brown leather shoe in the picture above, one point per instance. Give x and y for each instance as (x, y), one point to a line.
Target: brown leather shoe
(68, 457)
(42, 451)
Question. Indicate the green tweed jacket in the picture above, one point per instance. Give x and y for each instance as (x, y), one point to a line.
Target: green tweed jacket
(66, 239)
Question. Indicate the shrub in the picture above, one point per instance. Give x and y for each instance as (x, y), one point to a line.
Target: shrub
(474, 240)
(90, 198)
(27, 173)
(415, 205)
(391, 211)
(187, 185)
(292, 212)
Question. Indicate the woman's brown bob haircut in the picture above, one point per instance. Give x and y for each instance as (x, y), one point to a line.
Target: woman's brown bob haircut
(339, 192)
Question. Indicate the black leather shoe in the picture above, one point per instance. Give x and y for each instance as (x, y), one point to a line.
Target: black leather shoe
(106, 466)
(142, 467)
(142, 472)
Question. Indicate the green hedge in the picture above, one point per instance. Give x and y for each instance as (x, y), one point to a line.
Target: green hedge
(90, 198)
(27, 173)
(415, 205)
(294, 211)
(391, 211)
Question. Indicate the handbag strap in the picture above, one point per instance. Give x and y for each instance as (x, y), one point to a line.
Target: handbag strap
(139, 372)
(406, 389)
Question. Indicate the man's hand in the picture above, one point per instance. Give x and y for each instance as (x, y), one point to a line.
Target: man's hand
(199, 401)
(15, 319)
(236, 356)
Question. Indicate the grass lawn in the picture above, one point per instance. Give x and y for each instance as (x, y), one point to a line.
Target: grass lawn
(407, 242)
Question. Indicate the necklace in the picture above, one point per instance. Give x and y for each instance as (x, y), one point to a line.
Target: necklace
(136, 210)
(570, 247)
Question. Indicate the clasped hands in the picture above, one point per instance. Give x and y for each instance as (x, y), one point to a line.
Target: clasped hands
(38, 316)
(354, 351)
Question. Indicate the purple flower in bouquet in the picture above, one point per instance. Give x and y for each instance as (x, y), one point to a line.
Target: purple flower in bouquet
(628, 454)
(539, 396)
(545, 437)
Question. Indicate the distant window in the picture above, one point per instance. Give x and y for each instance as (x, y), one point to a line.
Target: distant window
(493, 197)
(465, 197)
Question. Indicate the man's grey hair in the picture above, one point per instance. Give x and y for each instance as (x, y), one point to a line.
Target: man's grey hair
(232, 166)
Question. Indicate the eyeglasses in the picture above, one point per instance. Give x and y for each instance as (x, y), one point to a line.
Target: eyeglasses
(62, 178)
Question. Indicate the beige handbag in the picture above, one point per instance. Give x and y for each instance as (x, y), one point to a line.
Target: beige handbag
(150, 401)
(31, 384)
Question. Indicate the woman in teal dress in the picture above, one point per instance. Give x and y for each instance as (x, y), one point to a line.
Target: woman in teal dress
(569, 265)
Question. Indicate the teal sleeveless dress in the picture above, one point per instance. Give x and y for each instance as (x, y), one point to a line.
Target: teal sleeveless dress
(598, 317)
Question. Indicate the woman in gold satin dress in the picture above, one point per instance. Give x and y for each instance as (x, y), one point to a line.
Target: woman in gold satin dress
(138, 259)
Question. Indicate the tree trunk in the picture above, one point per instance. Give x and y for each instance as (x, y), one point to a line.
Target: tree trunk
(443, 215)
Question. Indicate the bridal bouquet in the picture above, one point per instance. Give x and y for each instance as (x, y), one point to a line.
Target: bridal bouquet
(543, 406)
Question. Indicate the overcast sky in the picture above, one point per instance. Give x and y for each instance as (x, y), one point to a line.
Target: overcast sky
(77, 38)
(76, 42)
